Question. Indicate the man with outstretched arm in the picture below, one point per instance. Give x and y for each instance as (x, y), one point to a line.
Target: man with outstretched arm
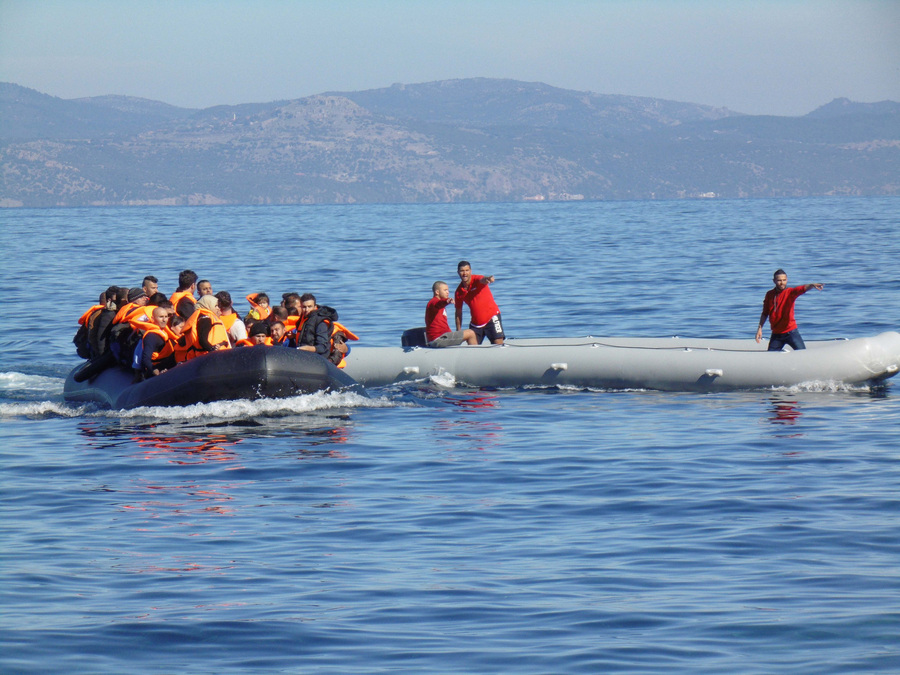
(437, 330)
(778, 308)
(485, 315)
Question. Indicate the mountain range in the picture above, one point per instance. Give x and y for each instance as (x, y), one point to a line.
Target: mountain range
(450, 141)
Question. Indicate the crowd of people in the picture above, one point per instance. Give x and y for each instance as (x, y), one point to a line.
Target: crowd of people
(142, 328)
(150, 332)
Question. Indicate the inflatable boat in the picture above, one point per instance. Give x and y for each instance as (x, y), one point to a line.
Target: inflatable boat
(667, 364)
(245, 373)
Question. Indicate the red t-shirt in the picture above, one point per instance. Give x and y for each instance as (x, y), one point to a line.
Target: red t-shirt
(779, 307)
(436, 319)
(479, 299)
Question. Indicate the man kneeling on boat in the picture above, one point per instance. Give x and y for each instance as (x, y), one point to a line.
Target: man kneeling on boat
(437, 329)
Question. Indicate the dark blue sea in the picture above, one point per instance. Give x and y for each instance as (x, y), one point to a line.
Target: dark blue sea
(448, 529)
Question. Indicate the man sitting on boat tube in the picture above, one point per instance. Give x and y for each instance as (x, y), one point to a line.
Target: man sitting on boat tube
(485, 315)
(437, 330)
(778, 308)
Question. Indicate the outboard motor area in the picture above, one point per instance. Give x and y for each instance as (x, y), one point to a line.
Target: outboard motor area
(414, 337)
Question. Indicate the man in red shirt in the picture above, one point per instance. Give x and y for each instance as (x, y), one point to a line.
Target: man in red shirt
(485, 315)
(437, 330)
(778, 308)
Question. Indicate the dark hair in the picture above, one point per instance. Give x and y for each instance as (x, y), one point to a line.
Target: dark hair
(779, 271)
(279, 312)
(158, 299)
(437, 284)
(307, 296)
(224, 298)
(259, 297)
(186, 279)
(204, 281)
(110, 295)
(165, 304)
(152, 279)
(176, 320)
(461, 264)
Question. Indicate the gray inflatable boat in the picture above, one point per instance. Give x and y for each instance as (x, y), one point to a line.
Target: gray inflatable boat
(667, 364)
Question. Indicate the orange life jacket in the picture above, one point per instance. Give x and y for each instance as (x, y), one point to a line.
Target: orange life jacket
(168, 347)
(130, 312)
(178, 295)
(87, 315)
(338, 327)
(228, 320)
(82, 339)
(341, 328)
(218, 336)
(257, 312)
(247, 342)
(180, 347)
(139, 320)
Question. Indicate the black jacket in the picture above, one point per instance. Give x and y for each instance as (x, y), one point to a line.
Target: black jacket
(317, 328)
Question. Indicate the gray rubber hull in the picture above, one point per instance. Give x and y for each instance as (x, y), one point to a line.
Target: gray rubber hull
(245, 373)
(667, 364)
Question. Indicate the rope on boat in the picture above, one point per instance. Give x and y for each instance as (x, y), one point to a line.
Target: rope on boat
(596, 343)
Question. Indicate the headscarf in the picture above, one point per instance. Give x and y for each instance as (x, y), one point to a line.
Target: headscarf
(209, 302)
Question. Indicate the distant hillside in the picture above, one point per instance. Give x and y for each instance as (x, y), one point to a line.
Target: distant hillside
(496, 103)
(30, 115)
(842, 107)
(457, 140)
(149, 112)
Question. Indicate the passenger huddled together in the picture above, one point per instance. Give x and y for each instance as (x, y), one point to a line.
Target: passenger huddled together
(143, 329)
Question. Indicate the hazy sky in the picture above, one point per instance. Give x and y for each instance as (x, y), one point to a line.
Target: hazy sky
(756, 56)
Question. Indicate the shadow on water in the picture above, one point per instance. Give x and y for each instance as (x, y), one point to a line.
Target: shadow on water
(171, 479)
(305, 436)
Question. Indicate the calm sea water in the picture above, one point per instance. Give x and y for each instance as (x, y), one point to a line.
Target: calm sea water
(440, 528)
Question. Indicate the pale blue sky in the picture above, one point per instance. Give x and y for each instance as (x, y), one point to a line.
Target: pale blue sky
(755, 56)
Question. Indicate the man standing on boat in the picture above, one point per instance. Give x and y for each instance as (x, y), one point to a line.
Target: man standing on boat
(485, 315)
(778, 308)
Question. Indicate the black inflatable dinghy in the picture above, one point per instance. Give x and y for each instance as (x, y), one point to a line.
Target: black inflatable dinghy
(244, 373)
